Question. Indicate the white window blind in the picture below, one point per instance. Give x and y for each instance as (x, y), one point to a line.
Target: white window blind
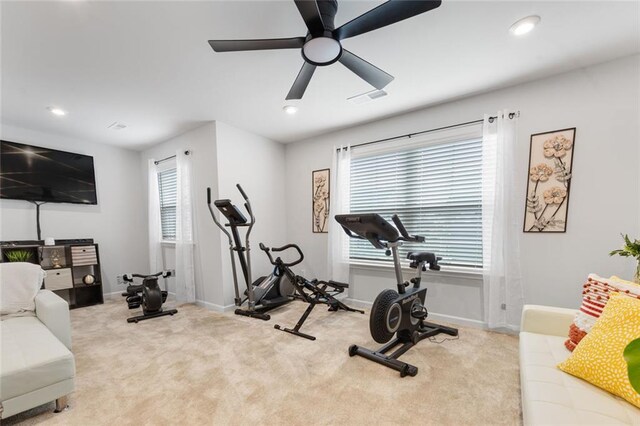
(168, 187)
(435, 189)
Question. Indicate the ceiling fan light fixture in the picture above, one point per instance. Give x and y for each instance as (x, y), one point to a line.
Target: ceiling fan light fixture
(322, 50)
(524, 25)
(290, 109)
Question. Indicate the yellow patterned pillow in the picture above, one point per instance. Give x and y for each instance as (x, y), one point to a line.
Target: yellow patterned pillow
(598, 358)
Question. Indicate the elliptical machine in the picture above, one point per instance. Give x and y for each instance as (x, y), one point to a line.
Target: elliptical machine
(147, 294)
(265, 293)
(402, 312)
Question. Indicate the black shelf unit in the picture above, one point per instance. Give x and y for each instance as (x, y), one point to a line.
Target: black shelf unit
(66, 262)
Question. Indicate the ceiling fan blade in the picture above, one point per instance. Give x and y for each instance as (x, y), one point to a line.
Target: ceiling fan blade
(302, 81)
(261, 44)
(386, 14)
(311, 15)
(369, 73)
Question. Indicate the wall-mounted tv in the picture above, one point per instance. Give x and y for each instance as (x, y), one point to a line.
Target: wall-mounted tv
(34, 173)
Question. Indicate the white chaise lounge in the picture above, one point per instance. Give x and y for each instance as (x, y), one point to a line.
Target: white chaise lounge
(36, 363)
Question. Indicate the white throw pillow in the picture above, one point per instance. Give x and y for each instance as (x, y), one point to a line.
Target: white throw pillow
(19, 284)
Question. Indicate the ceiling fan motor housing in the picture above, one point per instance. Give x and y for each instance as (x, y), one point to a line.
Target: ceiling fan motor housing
(323, 49)
(322, 44)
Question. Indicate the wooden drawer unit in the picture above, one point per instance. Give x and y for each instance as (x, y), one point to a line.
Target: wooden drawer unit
(84, 255)
(66, 263)
(58, 279)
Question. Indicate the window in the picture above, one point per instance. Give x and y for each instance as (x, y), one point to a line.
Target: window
(434, 186)
(168, 187)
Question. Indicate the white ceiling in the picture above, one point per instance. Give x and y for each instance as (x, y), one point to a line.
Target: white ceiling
(148, 64)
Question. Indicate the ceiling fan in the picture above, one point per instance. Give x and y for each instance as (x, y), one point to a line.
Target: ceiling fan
(321, 46)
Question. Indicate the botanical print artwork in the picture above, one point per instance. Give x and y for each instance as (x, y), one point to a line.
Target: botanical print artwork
(320, 187)
(549, 179)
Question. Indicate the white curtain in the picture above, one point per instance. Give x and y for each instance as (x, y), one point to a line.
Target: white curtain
(501, 223)
(338, 246)
(185, 276)
(155, 231)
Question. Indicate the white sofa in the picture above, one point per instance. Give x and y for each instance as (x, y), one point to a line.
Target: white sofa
(36, 364)
(550, 396)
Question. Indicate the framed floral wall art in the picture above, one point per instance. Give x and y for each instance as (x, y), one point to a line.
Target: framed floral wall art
(549, 180)
(320, 206)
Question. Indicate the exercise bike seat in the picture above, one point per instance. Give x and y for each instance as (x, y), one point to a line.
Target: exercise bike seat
(418, 257)
(422, 256)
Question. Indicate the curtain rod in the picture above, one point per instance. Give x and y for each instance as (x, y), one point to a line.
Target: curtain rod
(410, 135)
(187, 152)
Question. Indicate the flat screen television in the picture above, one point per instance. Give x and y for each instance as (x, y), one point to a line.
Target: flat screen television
(34, 173)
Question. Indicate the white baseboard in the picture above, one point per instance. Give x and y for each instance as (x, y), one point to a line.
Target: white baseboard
(214, 307)
(118, 293)
(112, 295)
(467, 322)
(208, 305)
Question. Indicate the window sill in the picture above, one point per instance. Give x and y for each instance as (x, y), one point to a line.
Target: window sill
(167, 243)
(448, 271)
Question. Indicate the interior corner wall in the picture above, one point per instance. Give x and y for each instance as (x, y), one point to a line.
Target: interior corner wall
(601, 101)
(258, 165)
(113, 223)
(202, 144)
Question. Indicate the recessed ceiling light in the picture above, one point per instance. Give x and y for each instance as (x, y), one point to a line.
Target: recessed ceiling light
(57, 111)
(290, 109)
(524, 25)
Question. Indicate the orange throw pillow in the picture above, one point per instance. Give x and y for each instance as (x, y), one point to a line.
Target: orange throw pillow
(595, 295)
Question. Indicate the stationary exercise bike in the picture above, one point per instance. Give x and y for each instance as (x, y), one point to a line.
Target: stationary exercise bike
(146, 294)
(402, 312)
(265, 293)
(314, 292)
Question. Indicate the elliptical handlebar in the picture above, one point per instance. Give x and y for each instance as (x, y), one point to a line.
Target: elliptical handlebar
(279, 249)
(215, 219)
(244, 194)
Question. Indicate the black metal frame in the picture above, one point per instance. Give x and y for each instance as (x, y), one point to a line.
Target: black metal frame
(147, 295)
(314, 292)
(566, 199)
(411, 327)
(255, 308)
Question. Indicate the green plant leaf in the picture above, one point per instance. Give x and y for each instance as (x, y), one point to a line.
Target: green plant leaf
(19, 255)
(632, 356)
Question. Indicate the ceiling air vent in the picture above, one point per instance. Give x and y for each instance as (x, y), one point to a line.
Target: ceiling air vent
(367, 97)
(116, 125)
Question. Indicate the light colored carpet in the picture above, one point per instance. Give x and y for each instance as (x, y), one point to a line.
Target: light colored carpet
(200, 367)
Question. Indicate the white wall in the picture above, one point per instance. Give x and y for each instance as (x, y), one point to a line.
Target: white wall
(114, 223)
(258, 165)
(222, 157)
(602, 101)
(202, 144)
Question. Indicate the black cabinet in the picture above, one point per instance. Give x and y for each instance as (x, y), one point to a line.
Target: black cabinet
(72, 266)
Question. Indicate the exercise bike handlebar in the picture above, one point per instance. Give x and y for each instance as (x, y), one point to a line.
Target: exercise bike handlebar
(165, 274)
(279, 249)
(403, 231)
